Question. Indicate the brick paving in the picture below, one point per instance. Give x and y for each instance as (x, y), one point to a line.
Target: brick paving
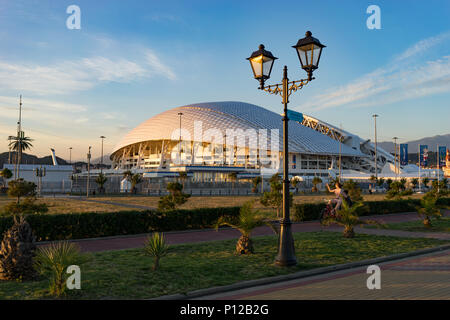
(137, 241)
(424, 277)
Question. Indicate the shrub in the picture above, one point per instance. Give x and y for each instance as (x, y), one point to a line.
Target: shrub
(176, 197)
(54, 259)
(48, 227)
(156, 247)
(21, 188)
(17, 251)
(311, 211)
(28, 206)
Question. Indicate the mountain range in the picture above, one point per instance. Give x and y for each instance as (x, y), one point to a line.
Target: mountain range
(413, 146)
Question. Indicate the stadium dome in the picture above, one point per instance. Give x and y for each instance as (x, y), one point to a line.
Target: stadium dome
(313, 145)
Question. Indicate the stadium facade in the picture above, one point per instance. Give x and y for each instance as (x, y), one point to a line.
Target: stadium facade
(210, 140)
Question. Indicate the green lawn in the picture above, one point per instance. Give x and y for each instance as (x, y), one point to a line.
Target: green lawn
(438, 225)
(127, 274)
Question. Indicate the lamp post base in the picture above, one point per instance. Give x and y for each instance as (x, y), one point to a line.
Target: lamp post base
(286, 251)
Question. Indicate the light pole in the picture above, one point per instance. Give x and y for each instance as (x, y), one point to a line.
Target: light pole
(179, 141)
(395, 155)
(376, 155)
(89, 171)
(309, 50)
(70, 155)
(101, 159)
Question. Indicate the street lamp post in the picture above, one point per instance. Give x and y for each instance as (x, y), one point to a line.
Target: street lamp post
(309, 50)
(70, 155)
(376, 148)
(101, 159)
(179, 140)
(88, 171)
(395, 155)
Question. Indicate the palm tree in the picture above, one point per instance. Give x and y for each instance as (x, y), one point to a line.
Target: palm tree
(135, 180)
(428, 209)
(256, 181)
(246, 222)
(414, 182)
(156, 247)
(23, 142)
(348, 217)
(101, 180)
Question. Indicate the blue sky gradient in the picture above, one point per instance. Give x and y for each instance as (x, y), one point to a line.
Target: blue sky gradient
(134, 59)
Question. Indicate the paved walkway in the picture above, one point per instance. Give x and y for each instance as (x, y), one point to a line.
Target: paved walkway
(137, 241)
(419, 277)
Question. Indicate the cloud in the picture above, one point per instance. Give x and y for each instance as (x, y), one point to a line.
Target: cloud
(79, 75)
(404, 78)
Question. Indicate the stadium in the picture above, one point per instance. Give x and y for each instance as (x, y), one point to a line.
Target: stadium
(208, 141)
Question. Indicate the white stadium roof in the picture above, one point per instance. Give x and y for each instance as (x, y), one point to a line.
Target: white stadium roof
(231, 115)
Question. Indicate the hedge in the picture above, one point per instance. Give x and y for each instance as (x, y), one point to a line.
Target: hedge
(48, 227)
(311, 211)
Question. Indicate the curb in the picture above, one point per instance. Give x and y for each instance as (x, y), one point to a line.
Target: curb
(298, 275)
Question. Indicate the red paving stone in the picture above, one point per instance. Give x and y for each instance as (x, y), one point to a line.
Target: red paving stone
(129, 242)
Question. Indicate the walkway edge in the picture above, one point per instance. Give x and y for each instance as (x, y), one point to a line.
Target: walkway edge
(298, 275)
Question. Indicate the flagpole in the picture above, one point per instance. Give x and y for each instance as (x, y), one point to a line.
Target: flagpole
(420, 184)
(437, 167)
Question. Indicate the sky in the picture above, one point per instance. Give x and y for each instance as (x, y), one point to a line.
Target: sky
(131, 60)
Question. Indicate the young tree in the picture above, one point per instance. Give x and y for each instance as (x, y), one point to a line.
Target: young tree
(54, 259)
(156, 247)
(182, 175)
(246, 222)
(353, 190)
(414, 182)
(6, 174)
(175, 198)
(255, 182)
(388, 183)
(429, 209)
(274, 197)
(21, 188)
(101, 180)
(135, 180)
(348, 217)
(17, 251)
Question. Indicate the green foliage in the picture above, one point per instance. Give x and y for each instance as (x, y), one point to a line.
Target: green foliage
(156, 247)
(6, 174)
(425, 182)
(51, 227)
(28, 206)
(429, 208)
(175, 198)
(135, 180)
(414, 182)
(397, 190)
(348, 217)
(17, 251)
(388, 183)
(380, 182)
(21, 188)
(25, 143)
(246, 222)
(274, 197)
(52, 260)
(101, 180)
(353, 189)
(311, 211)
(255, 183)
